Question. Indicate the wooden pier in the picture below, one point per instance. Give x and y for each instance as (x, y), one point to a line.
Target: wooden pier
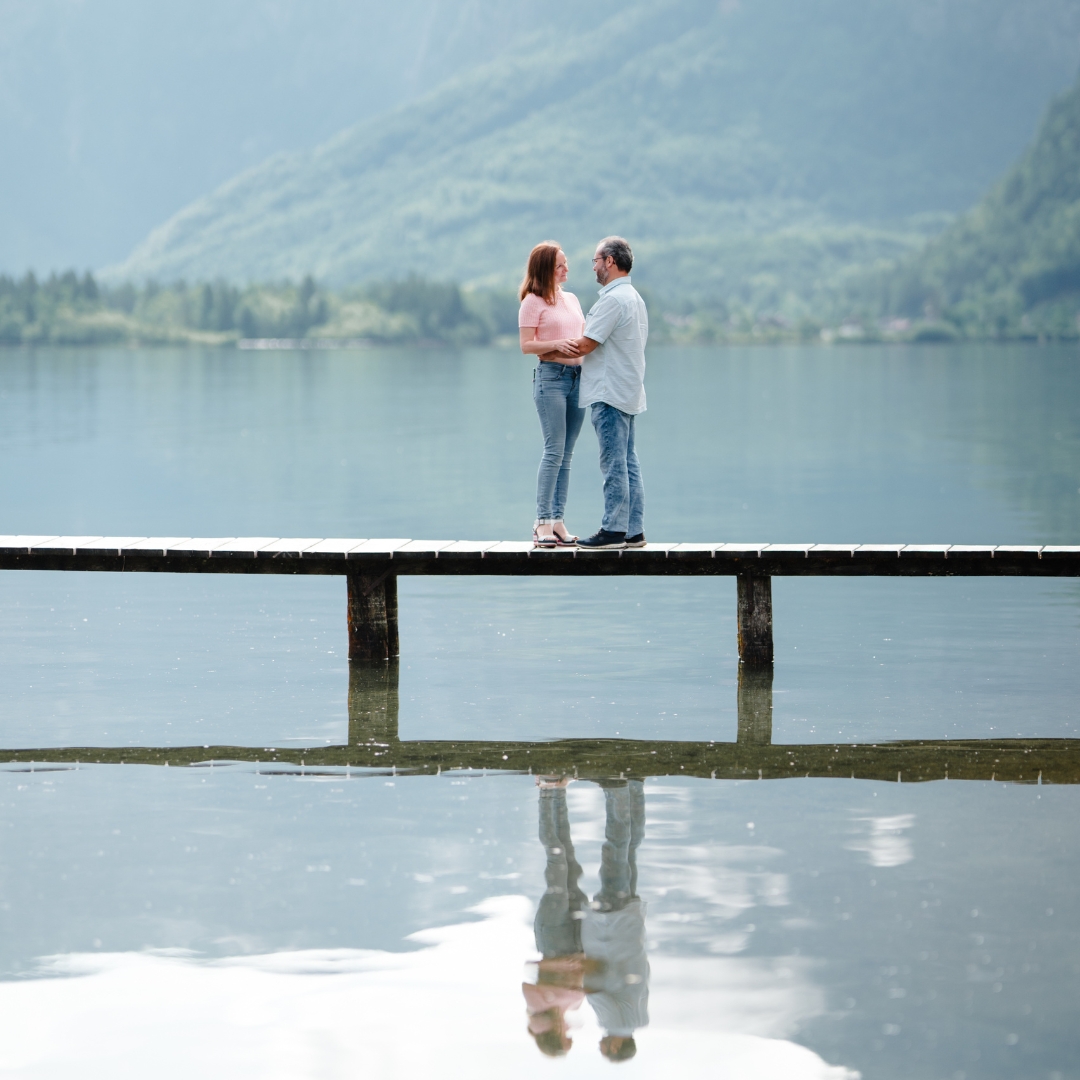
(372, 567)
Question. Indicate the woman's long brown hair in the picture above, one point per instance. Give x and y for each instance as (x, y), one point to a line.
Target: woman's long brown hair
(540, 272)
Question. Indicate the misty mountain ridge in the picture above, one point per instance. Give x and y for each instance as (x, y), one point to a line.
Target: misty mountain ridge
(1013, 262)
(761, 153)
(116, 113)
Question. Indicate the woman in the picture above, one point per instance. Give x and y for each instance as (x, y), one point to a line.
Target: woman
(559, 986)
(550, 321)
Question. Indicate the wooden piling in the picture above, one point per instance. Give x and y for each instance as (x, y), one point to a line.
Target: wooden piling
(755, 704)
(755, 620)
(372, 612)
(373, 703)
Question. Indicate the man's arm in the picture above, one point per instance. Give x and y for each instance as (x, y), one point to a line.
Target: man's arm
(602, 319)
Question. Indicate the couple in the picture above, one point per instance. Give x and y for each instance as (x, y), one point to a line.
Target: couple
(597, 362)
(591, 951)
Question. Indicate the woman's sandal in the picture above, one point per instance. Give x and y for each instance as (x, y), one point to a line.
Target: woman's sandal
(544, 541)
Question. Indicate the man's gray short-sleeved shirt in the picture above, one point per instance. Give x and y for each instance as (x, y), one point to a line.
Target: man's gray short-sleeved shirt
(614, 372)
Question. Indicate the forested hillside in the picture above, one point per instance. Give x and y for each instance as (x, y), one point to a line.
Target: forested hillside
(1012, 265)
(760, 155)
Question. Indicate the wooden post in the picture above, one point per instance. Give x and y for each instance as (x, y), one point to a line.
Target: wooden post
(373, 702)
(755, 620)
(755, 704)
(372, 605)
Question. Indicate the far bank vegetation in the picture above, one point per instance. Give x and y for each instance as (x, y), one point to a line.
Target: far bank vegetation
(73, 309)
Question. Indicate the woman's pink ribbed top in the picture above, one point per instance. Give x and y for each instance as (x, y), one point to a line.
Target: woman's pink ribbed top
(563, 319)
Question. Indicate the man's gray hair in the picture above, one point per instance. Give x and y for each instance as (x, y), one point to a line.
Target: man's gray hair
(619, 250)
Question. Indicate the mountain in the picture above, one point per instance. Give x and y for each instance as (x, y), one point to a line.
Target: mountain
(114, 114)
(751, 151)
(1011, 265)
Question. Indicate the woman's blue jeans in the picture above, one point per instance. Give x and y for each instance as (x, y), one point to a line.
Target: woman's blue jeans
(558, 916)
(555, 392)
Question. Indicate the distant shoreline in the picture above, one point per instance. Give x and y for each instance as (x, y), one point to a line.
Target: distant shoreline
(261, 345)
(73, 311)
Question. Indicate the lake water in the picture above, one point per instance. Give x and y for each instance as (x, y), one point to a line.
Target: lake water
(240, 920)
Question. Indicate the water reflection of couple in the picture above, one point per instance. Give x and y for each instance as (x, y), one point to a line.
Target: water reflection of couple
(591, 951)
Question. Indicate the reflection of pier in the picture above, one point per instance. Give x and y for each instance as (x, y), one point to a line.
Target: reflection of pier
(374, 743)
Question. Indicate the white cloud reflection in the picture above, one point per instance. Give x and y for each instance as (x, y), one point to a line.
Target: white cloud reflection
(884, 842)
(450, 1005)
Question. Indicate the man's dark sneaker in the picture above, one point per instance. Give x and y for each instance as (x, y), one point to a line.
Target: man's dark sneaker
(637, 540)
(603, 540)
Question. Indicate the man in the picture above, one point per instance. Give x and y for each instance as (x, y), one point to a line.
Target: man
(613, 931)
(613, 384)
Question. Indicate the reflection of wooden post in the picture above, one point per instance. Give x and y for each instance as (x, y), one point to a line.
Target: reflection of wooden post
(755, 704)
(755, 620)
(373, 629)
(373, 702)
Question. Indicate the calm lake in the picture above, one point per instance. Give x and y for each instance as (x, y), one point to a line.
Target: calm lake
(244, 920)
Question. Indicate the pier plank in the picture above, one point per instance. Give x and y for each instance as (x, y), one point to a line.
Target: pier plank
(112, 545)
(21, 543)
(66, 543)
(379, 547)
(335, 549)
(424, 547)
(158, 545)
(512, 547)
(242, 547)
(292, 548)
(201, 545)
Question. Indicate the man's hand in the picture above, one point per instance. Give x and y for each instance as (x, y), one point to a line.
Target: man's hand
(565, 352)
(575, 350)
(565, 347)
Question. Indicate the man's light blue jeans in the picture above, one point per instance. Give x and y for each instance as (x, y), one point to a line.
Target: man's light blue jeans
(624, 495)
(623, 833)
(555, 393)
